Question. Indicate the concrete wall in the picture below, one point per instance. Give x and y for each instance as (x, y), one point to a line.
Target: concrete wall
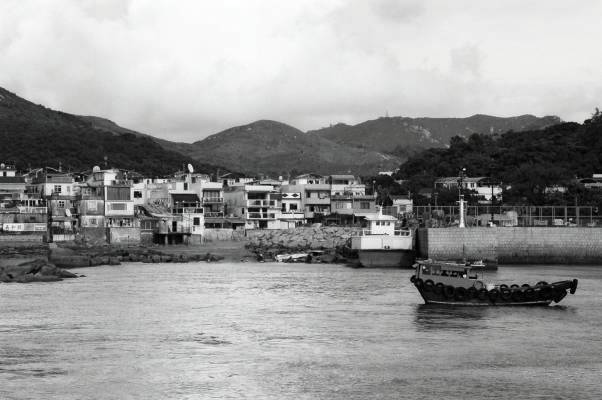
(216, 234)
(95, 236)
(123, 235)
(22, 238)
(513, 245)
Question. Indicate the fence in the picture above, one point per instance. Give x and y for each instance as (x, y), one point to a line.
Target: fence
(559, 216)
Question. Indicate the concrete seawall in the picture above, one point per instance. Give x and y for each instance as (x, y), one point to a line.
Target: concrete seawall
(513, 245)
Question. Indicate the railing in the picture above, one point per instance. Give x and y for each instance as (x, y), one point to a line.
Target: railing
(209, 200)
(261, 203)
(256, 215)
(533, 216)
(317, 200)
(396, 232)
(187, 210)
(214, 214)
(293, 214)
(32, 210)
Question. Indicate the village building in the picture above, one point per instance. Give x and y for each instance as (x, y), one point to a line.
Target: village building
(57, 190)
(20, 214)
(258, 206)
(483, 186)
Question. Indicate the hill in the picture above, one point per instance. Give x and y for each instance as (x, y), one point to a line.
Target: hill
(270, 147)
(403, 135)
(33, 136)
(528, 161)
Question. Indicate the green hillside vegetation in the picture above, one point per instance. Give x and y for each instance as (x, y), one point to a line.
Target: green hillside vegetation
(34, 136)
(273, 148)
(403, 136)
(528, 161)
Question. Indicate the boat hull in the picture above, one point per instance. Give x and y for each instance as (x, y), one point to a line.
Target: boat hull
(539, 295)
(386, 258)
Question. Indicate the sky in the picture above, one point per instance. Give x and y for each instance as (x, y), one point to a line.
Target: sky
(182, 70)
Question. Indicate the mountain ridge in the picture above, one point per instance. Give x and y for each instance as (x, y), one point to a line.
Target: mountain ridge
(263, 147)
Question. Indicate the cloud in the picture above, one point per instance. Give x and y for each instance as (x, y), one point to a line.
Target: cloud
(184, 70)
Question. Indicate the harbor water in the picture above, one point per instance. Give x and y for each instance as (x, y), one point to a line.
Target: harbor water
(291, 331)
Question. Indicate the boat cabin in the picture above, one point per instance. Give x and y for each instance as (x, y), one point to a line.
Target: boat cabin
(379, 224)
(448, 273)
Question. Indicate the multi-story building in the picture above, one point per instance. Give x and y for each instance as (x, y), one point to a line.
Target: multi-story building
(57, 189)
(315, 194)
(188, 221)
(111, 191)
(19, 214)
(291, 211)
(12, 187)
(258, 205)
(357, 205)
(483, 186)
(346, 184)
(212, 198)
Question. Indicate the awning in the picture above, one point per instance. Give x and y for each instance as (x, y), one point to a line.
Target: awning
(155, 211)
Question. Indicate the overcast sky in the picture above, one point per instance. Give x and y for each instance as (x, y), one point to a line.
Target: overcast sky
(182, 70)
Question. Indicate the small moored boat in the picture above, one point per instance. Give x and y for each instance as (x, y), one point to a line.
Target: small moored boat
(440, 282)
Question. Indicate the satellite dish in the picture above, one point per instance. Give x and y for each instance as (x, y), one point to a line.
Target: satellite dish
(96, 168)
(67, 212)
(190, 168)
(2, 165)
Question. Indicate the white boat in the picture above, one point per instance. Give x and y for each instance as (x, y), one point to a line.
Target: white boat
(382, 245)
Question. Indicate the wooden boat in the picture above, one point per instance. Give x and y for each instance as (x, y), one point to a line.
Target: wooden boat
(441, 282)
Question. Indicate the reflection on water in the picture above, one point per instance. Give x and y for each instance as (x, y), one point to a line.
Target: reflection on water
(290, 331)
(435, 316)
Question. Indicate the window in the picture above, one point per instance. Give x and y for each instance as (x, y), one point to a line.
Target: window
(118, 206)
(185, 185)
(93, 221)
(292, 206)
(61, 204)
(196, 221)
(137, 194)
(57, 189)
(364, 205)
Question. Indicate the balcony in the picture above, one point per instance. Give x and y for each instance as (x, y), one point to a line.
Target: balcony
(187, 210)
(262, 203)
(213, 200)
(214, 214)
(288, 215)
(32, 210)
(317, 200)
(257, 215)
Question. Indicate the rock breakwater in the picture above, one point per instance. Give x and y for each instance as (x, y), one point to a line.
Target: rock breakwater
(332, 240)
(89, 257)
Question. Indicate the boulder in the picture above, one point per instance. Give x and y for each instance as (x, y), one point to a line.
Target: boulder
(114, 261)
(66, 274)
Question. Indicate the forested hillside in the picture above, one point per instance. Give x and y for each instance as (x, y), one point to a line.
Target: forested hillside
(527, 161)
(34, 136)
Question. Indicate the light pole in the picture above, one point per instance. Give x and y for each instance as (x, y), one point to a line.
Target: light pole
(491, 183)
(461, 197)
